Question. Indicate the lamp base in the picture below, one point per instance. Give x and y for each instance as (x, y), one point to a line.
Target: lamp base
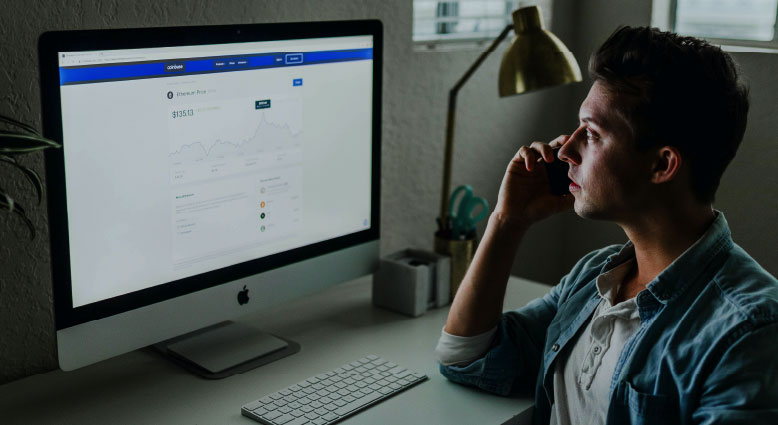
(461, 252)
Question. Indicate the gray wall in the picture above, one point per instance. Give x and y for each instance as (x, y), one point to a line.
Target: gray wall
(415, 92)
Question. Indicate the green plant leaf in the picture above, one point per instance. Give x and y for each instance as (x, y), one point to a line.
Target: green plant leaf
(28, 128)
(32, 176)
(8, 203)
(14, 144)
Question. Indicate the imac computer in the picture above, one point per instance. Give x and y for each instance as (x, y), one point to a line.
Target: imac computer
(206, 173)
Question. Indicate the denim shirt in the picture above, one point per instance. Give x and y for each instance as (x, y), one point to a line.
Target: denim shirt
(706, 351)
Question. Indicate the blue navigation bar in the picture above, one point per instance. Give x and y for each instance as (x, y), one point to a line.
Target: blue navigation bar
(111, 72)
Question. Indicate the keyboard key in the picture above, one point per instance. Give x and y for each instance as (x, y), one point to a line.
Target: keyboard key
(357, 404)
(281, 420)
(298, 421)
(304, 384)
(311, 416)
(329, 416)
(384, 390)
(256, 404)
(260, 411)
(276, 396)
(304, 400)
(348, 399)
(372, 357)
(272, 415)
(322, 411)
(306, 409)
(285, 392)
(340, 403)
(285, 409)
(320, 421)
(294, 405)
(296, 413)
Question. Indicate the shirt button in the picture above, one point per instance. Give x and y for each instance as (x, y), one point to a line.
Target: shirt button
(555, 348)
(597, 350)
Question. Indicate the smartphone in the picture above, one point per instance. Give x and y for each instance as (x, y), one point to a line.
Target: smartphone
(557, 175)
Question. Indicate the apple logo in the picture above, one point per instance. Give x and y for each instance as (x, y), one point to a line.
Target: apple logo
(243, 296)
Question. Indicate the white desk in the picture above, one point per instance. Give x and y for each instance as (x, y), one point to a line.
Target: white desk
(333, 327)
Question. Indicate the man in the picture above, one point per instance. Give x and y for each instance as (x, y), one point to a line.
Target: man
(678, 325)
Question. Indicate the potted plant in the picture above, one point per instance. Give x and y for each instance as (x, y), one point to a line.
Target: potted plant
(17, 138)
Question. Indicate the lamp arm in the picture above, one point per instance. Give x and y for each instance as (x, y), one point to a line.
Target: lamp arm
(451, 119)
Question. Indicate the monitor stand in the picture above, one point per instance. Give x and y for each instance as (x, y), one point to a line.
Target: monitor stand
(225, 349)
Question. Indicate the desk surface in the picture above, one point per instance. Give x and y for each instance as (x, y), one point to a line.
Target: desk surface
(333, 327)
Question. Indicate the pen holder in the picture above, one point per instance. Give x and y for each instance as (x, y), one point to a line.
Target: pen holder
(461, 252)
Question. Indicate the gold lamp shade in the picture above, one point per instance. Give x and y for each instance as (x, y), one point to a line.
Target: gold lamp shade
(537, 58)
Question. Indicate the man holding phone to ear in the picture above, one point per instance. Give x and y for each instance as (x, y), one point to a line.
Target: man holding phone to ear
(678, 325)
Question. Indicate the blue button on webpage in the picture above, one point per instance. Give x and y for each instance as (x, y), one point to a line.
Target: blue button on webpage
(297, 82)
(292, 58)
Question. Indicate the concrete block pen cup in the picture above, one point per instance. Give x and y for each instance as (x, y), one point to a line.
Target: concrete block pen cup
(456, 235)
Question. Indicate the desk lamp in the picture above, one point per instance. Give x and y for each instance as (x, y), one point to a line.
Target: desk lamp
(536, 59)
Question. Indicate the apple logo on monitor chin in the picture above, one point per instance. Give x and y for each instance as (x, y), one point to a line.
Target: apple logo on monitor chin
(243, 296)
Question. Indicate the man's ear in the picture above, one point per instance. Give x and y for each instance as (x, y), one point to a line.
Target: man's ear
(667, 164)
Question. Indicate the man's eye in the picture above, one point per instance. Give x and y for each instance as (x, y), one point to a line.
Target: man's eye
(589, 135)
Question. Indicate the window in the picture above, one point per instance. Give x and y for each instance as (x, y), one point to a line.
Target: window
(730, 22)
(470, 21)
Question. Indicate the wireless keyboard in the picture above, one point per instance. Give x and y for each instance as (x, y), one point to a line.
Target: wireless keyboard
(335, 395)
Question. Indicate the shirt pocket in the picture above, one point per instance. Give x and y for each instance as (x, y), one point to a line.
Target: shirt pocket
(652, 408)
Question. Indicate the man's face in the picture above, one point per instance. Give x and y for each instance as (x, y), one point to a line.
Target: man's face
(612, 175)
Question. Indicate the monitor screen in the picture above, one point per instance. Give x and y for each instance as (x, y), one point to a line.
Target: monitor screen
(179, 161)
(197, 156)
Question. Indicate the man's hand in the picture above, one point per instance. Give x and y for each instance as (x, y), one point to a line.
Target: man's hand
(525, 196)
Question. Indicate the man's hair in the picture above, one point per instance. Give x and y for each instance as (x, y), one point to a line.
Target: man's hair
(677, 91)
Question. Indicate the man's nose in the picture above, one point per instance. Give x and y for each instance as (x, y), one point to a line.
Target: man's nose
(569, 151)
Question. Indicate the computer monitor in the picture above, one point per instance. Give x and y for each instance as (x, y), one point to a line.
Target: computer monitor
(206, 173)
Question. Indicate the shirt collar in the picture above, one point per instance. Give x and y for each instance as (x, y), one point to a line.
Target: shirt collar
(685, 269)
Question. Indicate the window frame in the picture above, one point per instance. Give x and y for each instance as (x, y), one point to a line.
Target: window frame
(468, 43)
(663, 17)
